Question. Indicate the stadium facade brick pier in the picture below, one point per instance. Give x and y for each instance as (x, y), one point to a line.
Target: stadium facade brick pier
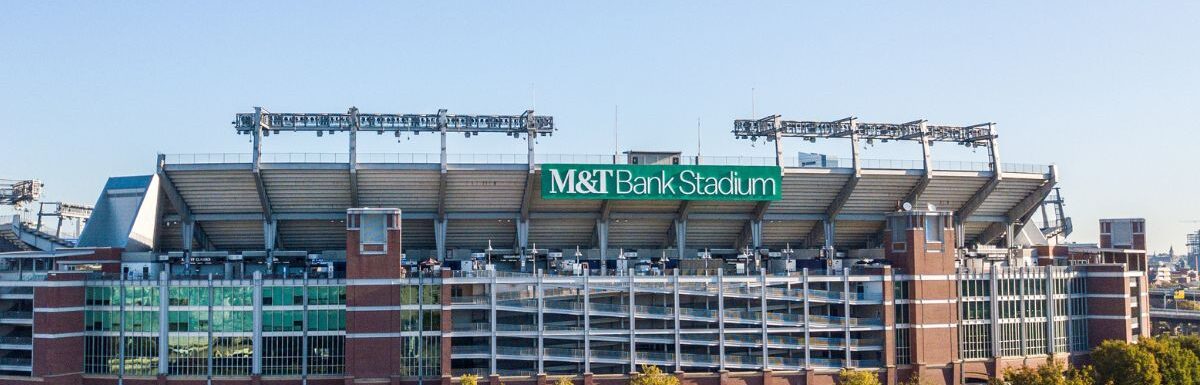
(395, 268)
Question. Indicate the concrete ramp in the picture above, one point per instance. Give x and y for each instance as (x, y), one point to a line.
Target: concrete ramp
(20, 236)
(125, 214)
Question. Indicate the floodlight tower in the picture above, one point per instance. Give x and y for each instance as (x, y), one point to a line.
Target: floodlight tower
(262, 123)
(773, 129)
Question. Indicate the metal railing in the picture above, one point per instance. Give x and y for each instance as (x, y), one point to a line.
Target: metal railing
(496, 158)
(16, 340)
(25, 315)
(16, 362)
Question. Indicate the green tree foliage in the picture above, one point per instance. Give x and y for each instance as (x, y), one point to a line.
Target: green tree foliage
(468, 379)
(652, 375)
(857, 377)
(1120, 363)
(1184, 304)
(1052, 373)
(1178, 365)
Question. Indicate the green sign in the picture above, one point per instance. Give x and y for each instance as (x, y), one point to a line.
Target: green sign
(661, 182)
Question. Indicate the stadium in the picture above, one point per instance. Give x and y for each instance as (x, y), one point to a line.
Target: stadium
(354, 268)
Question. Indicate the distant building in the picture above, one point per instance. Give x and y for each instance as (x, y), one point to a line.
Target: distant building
(809, 159)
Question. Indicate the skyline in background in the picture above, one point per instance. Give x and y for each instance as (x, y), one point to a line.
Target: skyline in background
(1107, 91)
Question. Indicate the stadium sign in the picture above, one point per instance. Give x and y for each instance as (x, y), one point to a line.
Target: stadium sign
(661, 182)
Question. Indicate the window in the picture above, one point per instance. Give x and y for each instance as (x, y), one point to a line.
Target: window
(934, 230)
(372, 236)
(903, 346)
(102, 355)
(899, 224)
(187, 355)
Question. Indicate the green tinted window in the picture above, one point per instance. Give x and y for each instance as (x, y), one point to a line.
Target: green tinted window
(187, 321)
(189, 296)
(283, 295)
(326, 295)
(233, 296)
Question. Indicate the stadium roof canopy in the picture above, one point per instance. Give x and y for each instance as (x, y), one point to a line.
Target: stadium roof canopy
(484, 197)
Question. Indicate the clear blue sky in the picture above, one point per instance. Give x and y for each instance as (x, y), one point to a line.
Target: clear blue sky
(1106, 90)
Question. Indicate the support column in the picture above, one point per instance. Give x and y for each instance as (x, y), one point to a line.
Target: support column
(257, 355)
(492, 320)
(721, 317)
(270, 233)
(756, 233)
(762, 281)
(993, 150)
(587, 324)
(846, 313)
(993, 301)
(541, 310)
(1023, 274)
(675, 309)
(188, 232)
(523, 242)
(777, 123)
(354, 127)
(304, 332)
(439, 237)
(681, 236)
(210, 329)
(1050, 313)
(807, 323)
(164, 303)
(632, 324)
(121, 316)
(830, 232)
(602, 239)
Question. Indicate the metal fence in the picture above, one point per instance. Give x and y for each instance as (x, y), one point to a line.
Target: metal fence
(485, 158)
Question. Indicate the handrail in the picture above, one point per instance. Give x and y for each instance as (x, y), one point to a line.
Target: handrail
(519, 158)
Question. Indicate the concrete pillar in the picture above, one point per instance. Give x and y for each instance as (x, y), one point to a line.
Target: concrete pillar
(587, 327)
(121, 351)
(439, 237)
(602, 239)
(721, 317)
(541, 342)
(632, 324)
(766, 340)
(164, 303)
(211, 298)
(807, 323)
(257, 355)
(846, 295)
(756, 233)
(493, 371)
(681, 236)
(675, 309)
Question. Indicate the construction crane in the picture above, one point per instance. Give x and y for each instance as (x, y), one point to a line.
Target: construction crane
(17, 193)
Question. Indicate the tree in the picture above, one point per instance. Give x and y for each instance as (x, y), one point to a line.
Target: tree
(564, 381)
(1189, 342)
(1178, 366)
(857, 377)
(1052, 373)
(1187, 305)
(468, 379)
(1120, 363)
(652, 375)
